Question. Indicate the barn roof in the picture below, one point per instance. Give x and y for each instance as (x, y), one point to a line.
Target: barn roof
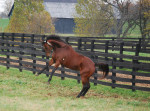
(60, 9)
(62, 1)
(66, 8)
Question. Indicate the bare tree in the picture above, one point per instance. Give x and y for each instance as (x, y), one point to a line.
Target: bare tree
(8, 4)
(126, 16)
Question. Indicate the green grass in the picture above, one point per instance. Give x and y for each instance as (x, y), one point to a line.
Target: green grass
(22, 91)
(3, 24)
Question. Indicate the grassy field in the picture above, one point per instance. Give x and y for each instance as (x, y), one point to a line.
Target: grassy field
(22, 91)
(3, 24)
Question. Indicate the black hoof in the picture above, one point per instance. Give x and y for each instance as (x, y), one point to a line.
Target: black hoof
(78, 96)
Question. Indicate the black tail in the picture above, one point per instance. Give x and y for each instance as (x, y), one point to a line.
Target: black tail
(104, 68)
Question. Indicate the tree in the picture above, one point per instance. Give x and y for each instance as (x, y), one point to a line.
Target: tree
(41, 23)
(91, 19)
(131, 16)
(144, 19)
(25, 13)
(127, 14)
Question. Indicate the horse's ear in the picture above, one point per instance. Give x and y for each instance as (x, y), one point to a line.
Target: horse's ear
(42, 41)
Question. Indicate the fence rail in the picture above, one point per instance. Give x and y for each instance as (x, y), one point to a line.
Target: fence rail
(128, 59)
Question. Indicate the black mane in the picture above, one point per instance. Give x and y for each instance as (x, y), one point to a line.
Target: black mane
(55, 37)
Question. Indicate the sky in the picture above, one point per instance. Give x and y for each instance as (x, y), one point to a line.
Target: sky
(2, 5)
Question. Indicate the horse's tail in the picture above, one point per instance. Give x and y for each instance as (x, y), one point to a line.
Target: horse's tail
(104, 68)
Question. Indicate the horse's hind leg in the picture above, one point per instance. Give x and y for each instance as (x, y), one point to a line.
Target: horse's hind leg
(86, 86)
(82, 91)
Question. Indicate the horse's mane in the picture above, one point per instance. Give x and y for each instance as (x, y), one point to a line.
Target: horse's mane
(55, 37)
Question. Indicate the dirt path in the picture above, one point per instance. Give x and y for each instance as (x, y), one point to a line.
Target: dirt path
(74, 74)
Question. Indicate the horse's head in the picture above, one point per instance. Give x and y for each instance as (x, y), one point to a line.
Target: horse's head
(47, 47)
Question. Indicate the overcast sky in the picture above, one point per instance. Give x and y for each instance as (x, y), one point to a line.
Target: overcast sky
(2, 5)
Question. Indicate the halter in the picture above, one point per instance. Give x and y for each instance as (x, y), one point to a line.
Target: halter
(48, 43)
(51, 46)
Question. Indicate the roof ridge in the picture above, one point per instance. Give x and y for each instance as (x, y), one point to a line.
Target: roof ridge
(62, 1)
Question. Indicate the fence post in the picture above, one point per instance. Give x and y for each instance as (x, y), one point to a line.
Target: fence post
(92, 46)
(95, 75)
(43, 37)
(85, 46)
(22, 40)
(79, 44)
(21, 53)
(33, 55)
(138, 47)
(93, 57)
(113, 73)
(113, 44)
(121, 52)
(79, 48)
(12, 39)
(8, 57)
(62, 73)
(3, 39)
(106, 49)
(140, 42)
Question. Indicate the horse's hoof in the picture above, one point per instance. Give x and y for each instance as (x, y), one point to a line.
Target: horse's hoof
(47, 83)
(36, 74)
(78, 96)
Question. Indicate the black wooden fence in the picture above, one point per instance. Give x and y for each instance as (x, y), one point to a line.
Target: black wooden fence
(128, 60)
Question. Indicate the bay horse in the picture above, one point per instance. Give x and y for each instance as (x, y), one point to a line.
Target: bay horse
(63, 54)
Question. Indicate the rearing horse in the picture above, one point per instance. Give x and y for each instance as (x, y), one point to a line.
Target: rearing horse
(64, 54)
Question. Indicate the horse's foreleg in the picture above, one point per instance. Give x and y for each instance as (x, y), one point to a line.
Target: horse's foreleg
(54, 69)
(46, 67)
(52, 73)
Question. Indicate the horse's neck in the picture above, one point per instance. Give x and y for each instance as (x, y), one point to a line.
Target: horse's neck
(57, 44)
